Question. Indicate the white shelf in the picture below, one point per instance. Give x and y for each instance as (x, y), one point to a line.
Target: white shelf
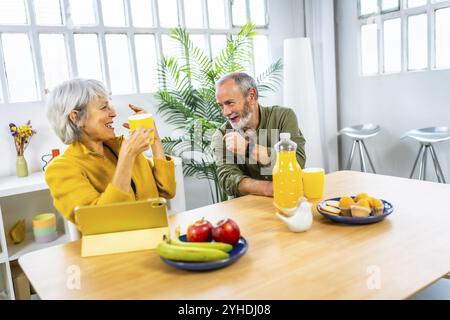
(29, 245)
(14, 185)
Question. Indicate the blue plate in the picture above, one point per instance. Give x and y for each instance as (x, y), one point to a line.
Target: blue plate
(388, 208)
(238, 251)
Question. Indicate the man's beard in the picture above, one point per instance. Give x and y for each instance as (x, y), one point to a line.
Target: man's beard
(244, 119)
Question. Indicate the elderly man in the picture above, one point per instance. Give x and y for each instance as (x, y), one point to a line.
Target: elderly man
(244, 144)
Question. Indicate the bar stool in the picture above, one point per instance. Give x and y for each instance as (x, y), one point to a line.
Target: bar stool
(359, 133)
(427, 137)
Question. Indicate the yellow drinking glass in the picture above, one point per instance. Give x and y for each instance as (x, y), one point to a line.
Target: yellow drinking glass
(144, 120)
(313, 183)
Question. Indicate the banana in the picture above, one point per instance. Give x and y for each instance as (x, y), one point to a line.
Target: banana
(225, 247)
(190, 254)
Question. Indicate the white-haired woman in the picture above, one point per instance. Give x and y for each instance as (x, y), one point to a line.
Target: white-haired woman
(98, 167)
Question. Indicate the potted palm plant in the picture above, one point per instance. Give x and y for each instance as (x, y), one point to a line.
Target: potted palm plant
(186, 98)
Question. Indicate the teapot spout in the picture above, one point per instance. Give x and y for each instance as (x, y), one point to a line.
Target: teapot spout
(286, 220)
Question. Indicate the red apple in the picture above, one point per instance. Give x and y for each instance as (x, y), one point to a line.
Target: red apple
(226, 231)
(200, 231)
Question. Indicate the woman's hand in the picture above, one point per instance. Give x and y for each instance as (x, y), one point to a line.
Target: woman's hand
(136, 143)
(157, 147)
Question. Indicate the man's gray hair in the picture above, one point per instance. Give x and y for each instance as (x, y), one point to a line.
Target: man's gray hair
(242, 80)
(71, 95)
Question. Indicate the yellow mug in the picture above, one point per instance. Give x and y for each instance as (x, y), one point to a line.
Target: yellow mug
(313, 183)
(143, 120)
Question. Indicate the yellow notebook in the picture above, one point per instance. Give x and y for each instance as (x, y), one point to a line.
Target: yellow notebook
(122, 216)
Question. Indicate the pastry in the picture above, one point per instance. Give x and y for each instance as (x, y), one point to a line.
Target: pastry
(329, 209)
(360, 211)
(377, 206)
(344, 204)
(332, 203)
(361, 196)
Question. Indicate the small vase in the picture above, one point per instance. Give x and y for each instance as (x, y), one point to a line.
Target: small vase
(21, 166)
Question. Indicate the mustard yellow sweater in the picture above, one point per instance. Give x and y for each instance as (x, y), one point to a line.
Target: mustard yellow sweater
(82, 177)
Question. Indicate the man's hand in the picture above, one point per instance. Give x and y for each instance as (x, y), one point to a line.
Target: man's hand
(235, 143)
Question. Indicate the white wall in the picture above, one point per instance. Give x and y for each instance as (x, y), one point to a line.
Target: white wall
(285, 21)
(397, 103)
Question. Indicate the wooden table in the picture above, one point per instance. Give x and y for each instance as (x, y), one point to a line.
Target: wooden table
(392, 259)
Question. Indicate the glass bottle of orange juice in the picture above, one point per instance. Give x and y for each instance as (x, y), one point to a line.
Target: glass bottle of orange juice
(287, 176)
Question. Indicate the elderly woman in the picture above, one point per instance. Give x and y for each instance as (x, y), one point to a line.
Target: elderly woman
(99, 168)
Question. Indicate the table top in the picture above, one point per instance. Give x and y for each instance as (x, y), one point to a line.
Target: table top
(392, 259)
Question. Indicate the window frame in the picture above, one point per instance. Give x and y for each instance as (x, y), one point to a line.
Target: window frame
(32, 30)
(403, 13)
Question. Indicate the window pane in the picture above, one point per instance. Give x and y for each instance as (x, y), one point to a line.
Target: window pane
(48, 12)
(239, 12)
(82, 12)
(119, 63)
(88, 56)
(258, 12)
(417, 42)
(416, 3)
(54, 59)
(142, 13)
(443, 38)
(218, 43)
(216, 14)
(193, 13)
(170, 47)
(168, 13)
(392, 45)
(13, 12)
(368, 7)
(113, 13)
(390, 5)
(19, 67)
(146, 62)
(369, 49)
(260, 54)
(200, 42)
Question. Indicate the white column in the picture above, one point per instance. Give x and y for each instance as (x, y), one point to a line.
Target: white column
(300, 94)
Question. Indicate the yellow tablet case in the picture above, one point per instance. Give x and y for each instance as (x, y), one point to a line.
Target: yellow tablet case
(122, 227)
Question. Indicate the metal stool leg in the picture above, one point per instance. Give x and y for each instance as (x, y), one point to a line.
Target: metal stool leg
(352, 153)
(421, 164)
(424, 161)
(361, 157)
(433, 154)
(416, 161)
(435, 166)
(368, 156)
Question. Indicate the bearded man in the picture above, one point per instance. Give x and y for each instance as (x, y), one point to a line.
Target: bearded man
(243, 146)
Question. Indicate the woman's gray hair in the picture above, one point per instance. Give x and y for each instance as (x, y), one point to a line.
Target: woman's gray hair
(72, 95)
(242, 80)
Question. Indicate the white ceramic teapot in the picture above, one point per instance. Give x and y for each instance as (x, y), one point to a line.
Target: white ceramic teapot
(301, 220)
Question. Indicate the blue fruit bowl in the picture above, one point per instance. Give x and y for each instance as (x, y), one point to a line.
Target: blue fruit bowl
(238, 251)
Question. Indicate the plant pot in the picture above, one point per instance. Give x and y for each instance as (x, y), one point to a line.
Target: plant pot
(21, 166)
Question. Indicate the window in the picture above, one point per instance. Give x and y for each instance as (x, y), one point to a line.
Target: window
(369, 48)
(417, 42)
(119, 42)
(392, 36)
(442, 38)
(413, 35)
(243, 10)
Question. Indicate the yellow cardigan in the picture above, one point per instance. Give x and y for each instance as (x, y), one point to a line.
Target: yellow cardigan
(83, 177)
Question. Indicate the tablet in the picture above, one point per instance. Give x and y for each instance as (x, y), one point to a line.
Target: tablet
(121, 216)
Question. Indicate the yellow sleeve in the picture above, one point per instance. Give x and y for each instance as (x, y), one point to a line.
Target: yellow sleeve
(70, 188)
(164, 173)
